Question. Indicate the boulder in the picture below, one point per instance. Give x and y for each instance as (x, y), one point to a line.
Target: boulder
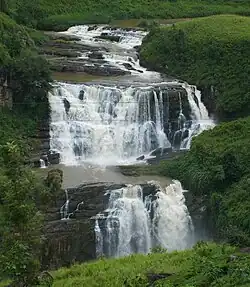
(96, 55)
(54, 157)
(81, 95)
(142, 157)
(107, 36)
(66, 105)
(91, 28)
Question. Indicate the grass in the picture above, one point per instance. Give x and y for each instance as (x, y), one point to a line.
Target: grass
(204, 265)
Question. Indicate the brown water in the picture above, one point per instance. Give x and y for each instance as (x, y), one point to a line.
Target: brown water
(76, 175)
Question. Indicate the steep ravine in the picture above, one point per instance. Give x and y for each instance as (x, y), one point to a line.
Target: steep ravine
(94, 125)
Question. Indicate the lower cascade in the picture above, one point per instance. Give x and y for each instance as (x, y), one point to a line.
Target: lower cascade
(135, 222)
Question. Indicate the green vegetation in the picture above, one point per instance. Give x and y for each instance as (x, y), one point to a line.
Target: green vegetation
(204, 265)
(20, 219)
(28, 72)
(210, 51)
(59, 14)
(217, 168)
(21, 192)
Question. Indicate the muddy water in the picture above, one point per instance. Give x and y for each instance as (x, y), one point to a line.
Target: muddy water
(76, 175)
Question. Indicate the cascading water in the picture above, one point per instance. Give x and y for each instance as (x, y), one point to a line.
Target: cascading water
(108, 124)
(116, 123)
(42, 163)
(134, 223)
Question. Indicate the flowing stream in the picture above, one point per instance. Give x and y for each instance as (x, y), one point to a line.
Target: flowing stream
(110, 122)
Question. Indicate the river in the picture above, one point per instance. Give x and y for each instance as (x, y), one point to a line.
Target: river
(107, 122)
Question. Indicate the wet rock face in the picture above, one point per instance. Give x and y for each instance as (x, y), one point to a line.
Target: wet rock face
(73, 240)
(96, 55)
(106, 36)
(83, 66)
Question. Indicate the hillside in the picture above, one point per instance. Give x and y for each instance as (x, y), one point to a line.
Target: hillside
(210, 52)
(59, 14)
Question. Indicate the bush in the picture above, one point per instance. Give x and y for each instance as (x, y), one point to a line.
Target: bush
(20, 219)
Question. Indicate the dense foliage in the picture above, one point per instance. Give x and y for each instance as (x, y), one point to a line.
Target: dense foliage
(218, 167)
(27, 72)
(204, 265)
(20, 220)
(212, 51)
(28, 77)
(59, 14)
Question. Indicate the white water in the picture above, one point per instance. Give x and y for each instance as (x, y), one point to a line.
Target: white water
(64, 210)
(172, 223)
(42, 163)
(114, 125)
(128, 39)
(132, 224)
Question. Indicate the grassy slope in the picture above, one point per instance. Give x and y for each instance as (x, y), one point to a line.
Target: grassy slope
(60, 14)
(204, 265)
(206, 51)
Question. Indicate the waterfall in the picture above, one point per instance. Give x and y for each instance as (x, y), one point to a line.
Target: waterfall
(134, 223)
(172, 225)
(110, 124)
(64, 210)
(42, 163)
(115, 122)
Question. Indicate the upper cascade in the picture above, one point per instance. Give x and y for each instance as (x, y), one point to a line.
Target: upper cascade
(109, 122)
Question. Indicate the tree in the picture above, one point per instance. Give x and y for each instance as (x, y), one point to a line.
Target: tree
(21, 220)
(3, 6)
(30, 82)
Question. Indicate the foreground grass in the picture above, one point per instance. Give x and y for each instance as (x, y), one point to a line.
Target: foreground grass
(204, 265)
(211, 51)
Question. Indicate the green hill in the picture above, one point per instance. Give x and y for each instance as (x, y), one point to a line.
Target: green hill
(60, 14)
(209, 52)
